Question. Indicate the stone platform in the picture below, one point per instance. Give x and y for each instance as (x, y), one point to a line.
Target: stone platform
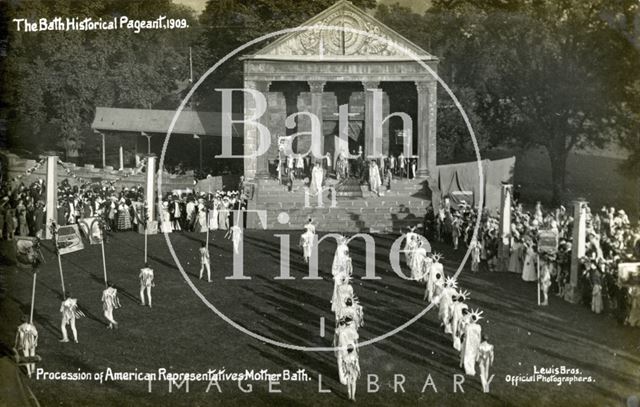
(404, 205)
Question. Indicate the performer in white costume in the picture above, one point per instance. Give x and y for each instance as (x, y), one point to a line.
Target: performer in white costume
(351, 369)
(235, 234)
(351, 309)
(418, 260)
(165, 218)
(110, 302)
(307, 239)
(471, 343)
(346, 335)
(70, 312)
(205, 261)
(435, 280)
(26, 342)
(341, 259)
(445, 302)
(456, 317)
(146, 282)
(410, 244)
(317, 176)
(529, 272)
(485, 361)
(342, 290)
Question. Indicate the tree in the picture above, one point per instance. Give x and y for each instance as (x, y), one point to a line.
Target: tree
(58, 77)
(553, 72)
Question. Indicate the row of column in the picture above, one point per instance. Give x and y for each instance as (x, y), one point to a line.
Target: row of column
(426, 124)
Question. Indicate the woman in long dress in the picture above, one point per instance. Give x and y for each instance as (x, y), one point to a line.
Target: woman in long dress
(515, 255)
(471, 344)
(223, 214)
(165, 218)
(202, 218)
(529, 271)
(213, 215)
(316, 179)
(374, 178)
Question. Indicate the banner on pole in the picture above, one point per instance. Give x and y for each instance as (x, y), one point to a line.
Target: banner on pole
(27, 251)
(548, 241)
(90, 228)
(68, 239)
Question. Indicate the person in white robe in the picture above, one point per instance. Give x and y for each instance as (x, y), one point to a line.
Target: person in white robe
(307, 240)
(165, 218)
(445, 301)
(353, 310)
(411, 239)
(317, 177)
(235, 234)
(26, 342)
(529, 270)
(351, 369)
(346, 337)
(342, 290)
(341, 259)
(456, 317)
(418, 260)
(485, 361)
(146, 282)
(374, 178)
(202, 217)
(110, 302)
(471, 343)
(213, 215)
(436, 272)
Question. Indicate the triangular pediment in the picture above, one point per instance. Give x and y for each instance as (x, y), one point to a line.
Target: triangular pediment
(325, 43)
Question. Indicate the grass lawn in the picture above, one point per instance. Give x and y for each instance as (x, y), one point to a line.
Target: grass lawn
(181, 334)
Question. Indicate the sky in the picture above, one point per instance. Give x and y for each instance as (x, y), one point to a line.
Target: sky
(419, 6)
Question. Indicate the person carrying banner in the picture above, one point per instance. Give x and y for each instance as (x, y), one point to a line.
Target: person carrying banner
(27, 341)
(70, 312)
(110, 302)
(146, 282)
(205, 261)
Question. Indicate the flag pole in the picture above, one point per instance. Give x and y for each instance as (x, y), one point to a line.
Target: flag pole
(538, 270)
(61, 275)
(104, 263)
(54, 234)
(33, 295)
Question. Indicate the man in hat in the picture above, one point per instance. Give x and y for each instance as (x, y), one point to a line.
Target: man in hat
(27, 341)
(205, 261)
(110, 302)
(146, 282)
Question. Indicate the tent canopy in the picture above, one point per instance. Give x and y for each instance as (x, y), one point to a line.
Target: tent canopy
(456, 178)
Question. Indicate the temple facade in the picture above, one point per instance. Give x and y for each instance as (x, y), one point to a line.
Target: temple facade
(342, 56)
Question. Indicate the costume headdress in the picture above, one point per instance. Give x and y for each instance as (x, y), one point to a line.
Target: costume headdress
(464, 294)
(451, 282)
(436, 257)
(476, 315)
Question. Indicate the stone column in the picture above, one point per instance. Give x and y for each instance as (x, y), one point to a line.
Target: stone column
(369, 90)
(317, 88)
(150, 191)
(505, 226)
(257, 165)
(121, 154)
(427, 105)
(52, 194)
(262, 161)
(578, 248)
